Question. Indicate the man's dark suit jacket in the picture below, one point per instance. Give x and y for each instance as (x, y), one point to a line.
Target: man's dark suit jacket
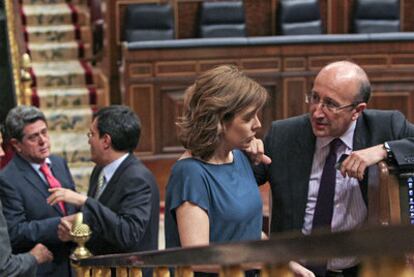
(30, 218)
(125, 217)
(290, 144)
(13, 265)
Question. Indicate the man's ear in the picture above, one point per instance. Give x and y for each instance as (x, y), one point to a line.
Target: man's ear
(15, 144)
(107, 141)
(358, 110)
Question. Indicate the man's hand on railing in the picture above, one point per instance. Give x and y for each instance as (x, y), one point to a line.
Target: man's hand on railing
(299, 270)
(356, 163)
(64, 227)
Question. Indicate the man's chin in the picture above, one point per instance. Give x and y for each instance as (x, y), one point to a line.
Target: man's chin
(320, 132)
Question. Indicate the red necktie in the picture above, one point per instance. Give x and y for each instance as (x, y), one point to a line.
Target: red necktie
(53, 182)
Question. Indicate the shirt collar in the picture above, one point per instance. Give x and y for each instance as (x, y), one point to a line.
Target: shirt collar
(110, 169)
(37, 166)
(347, 138)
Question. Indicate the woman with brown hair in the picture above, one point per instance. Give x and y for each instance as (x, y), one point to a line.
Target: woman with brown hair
(212, 195)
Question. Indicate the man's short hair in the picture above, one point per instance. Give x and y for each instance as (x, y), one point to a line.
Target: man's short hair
(18, 118)
(121, 124)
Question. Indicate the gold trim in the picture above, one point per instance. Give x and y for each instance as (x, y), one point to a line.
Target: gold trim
(14, 50)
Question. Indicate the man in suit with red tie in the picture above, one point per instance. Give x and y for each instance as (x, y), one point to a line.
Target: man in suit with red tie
(23, 264)
(24, 188)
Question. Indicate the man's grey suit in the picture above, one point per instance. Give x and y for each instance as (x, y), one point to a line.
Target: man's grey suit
(290, 143)
(126, 215)
(13, 265)
(30, 218)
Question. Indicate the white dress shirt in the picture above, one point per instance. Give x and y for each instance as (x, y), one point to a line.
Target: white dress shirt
(350, 210)
(109, 171)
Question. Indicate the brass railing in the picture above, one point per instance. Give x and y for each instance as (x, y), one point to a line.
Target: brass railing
(383, 246)
(382, 251)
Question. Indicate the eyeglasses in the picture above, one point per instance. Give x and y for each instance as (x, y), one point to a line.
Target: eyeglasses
(314, 99)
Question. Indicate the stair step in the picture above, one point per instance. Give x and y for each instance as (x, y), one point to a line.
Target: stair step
(62, 74)
(58, 33)
(72, 146)
(59, 51)
(46, 2)
(54, 98)
(81, 173)
(54, 14)
(69, 119)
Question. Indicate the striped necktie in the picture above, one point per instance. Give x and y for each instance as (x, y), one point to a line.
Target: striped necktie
(101, 184)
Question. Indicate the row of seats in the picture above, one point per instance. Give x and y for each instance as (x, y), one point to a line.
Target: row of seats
(227, 19)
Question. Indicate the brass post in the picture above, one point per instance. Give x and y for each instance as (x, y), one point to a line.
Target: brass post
(80, 234)
(231, 271)
(281, 270)
(121, 272)
(101, 272)
(184, 271)
(26, 80)
(82, 271)
(385, 267)
(161, 272)
(135, 272)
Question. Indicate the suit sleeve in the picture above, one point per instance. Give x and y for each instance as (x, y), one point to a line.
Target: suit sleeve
(13, 265)
(25, 233)
(403, 131)
(125, 228)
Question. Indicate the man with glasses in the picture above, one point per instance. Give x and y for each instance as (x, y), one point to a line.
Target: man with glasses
(122, 206)
(24, 188)
(301, 153)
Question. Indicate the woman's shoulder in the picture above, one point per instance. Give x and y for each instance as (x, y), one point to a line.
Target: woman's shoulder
(187, 165)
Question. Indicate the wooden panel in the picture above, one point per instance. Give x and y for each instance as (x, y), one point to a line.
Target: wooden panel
(294, 64)
(371, 61)
(161, 169)
(406, 12)
(294, 90)
(259, 16)
(269, 111)
(256, 65)
(402, 61)
(401, 101)
(188, 12)
(206, 65)
(171, 109)
(141, 99)
(175, 68)
(138, 70)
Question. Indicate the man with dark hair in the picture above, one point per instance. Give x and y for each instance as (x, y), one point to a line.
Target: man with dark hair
(307, 189)
(21, 264)
(24, 185)
(122, 205)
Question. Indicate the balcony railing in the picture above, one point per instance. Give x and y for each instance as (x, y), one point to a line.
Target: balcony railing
(383, 246)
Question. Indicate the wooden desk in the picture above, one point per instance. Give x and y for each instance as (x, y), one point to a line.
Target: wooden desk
(155, 75)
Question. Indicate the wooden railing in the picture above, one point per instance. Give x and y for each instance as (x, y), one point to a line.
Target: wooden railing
(381, 249)
(382, 246)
